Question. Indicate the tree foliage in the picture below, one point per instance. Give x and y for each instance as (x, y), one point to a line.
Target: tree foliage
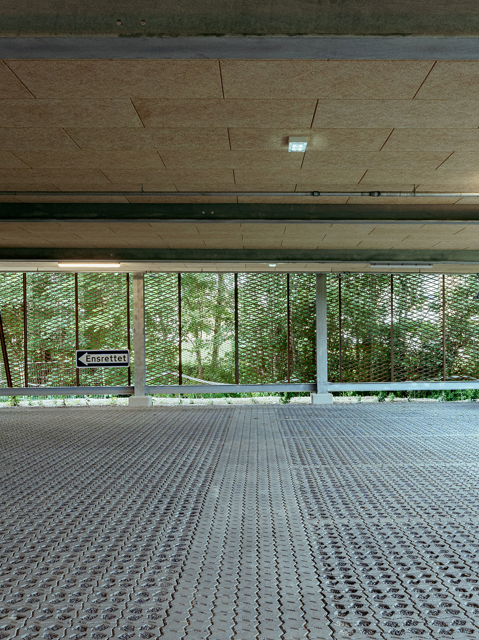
(380, 327)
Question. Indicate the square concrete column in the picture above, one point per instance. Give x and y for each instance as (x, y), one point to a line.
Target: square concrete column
(321, 396)
(140, 399)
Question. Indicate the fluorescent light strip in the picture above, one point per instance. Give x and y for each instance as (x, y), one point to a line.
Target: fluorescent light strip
(401, 265)
(89, 265)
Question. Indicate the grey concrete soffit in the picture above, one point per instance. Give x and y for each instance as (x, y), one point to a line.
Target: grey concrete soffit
(244, 47)
(436, 256)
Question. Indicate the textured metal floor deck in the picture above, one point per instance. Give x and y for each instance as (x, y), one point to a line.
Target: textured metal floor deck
(274, 523)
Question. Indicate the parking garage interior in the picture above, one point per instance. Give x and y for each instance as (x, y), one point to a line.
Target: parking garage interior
(247, 200)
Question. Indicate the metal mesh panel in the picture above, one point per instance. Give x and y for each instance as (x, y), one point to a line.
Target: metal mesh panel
(302, 341)
(11, 309)
(102, 323)
(162, 328)
(365, 328)
(431, 321)
(207, 327)
(334, 334)
(262, 327)
(418, 316)
(462, 327)
(51, 329)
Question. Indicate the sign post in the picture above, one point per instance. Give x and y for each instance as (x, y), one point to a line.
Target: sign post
(90, 359)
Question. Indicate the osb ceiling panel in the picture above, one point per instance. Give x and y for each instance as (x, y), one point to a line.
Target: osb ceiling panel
(211, 125)
(240, 235)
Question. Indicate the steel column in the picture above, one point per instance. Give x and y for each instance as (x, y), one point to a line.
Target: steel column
(340, 327)
(180, 331)
(140, 398)
(25, 333)
(321, 396)
(444, 328)
(288, 331)
(392, 328)
(236, 332)
(76, 328)
(128, 328)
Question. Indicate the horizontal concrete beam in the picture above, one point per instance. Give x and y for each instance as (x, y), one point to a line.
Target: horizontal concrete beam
(65, 391)
(240, 255)
(242, 388)
(403, 386)
(243, 48)
(230, 388)
(224, 212)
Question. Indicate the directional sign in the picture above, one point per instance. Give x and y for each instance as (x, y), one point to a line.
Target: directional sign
(87, 359)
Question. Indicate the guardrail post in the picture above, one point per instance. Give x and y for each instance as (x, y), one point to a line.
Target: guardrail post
(321, 396)
(140, 399)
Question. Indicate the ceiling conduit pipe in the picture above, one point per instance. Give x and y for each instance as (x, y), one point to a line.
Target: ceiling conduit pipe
(258, 194)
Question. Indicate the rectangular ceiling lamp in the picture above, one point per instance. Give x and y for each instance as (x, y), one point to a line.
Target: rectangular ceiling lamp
(401, 265)
(297, 143)
(89, 265)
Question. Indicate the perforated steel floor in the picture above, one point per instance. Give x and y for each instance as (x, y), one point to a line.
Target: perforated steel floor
(274, 523)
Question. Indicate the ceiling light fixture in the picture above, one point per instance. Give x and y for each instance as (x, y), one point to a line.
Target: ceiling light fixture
(89, 265)
(297, 143)
(401, 265)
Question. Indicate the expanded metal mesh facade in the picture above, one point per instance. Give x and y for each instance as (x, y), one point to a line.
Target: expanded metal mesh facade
(243, 328)
(162, 328)
(11, 314)
(262, 327)
(103, 323)
(402, 327)
(50, 305)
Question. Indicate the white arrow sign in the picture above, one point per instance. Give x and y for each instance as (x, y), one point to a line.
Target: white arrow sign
(102, 358)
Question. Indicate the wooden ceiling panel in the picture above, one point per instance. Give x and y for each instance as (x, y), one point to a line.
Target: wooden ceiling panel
(400, 175)
(25, 179)
(324, 79)
(120, 78)
(268, 175)
(116, 139)
(463, 161)
(318, 140)
(293, 199)
(10, 86)
(371, 114)
(418, 140)
(10, 161)
(468, 201)
(225, 235)
(163, 125)
(384, 161)
(132, 175)
(36, 139)
(452, 79)
(330, 179)
(257, 161)
(402, 201)
(451, 182)
(23, 113)
(68, 113)
(226, 113)
(71, 159)
(182, 199)
(63, 199)
(73, 180)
